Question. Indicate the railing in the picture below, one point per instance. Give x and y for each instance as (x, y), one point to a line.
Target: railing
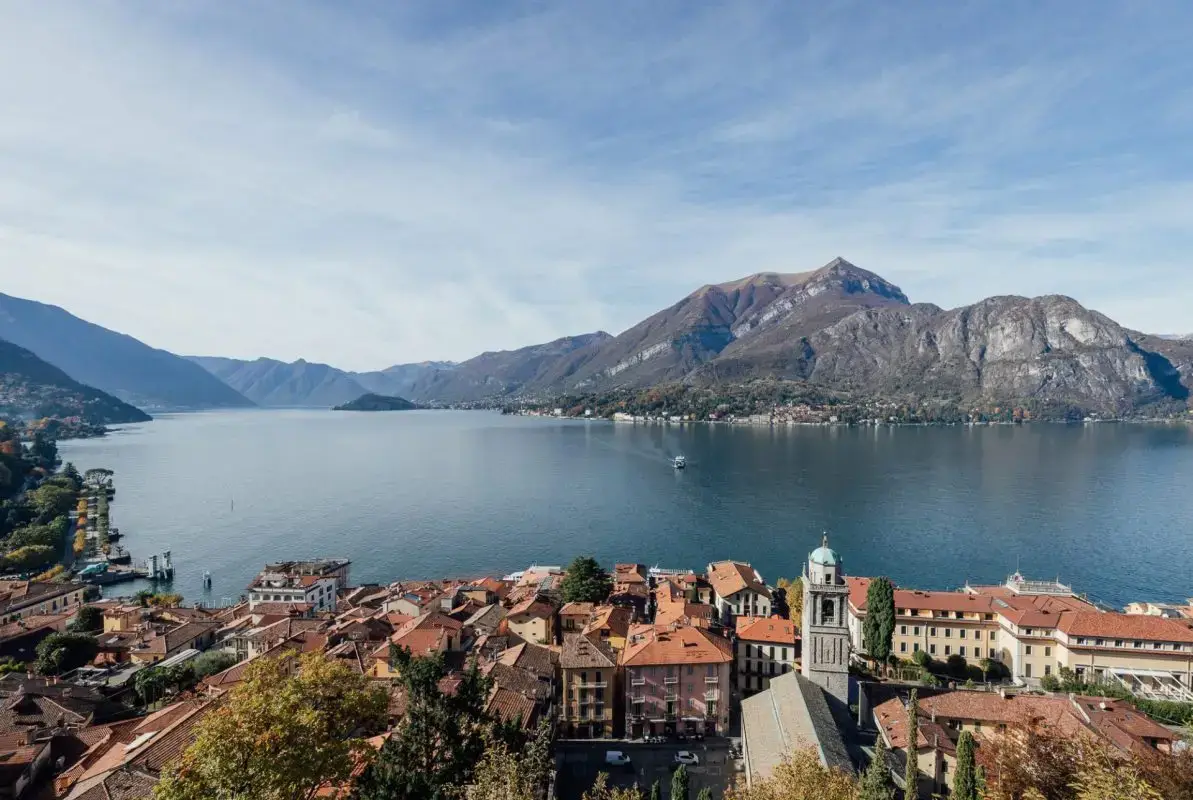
(593, 685)
(712, 679)
(714, 695)
(670, 681)
(638, 682)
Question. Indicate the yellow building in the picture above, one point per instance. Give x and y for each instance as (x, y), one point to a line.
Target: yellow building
(590, 688)
(533, 619)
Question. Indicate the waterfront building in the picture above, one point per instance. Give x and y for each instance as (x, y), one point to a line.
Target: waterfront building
(21, 599)
(738, 590)
(764, 648)
(672, 606)
(825, 656)
(942, 716)
(314, 583)
(677, 680)
(1035, 628)
(1171, 610)
(590, 688)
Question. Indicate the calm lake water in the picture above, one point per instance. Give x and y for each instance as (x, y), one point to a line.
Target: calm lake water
(1107, 508)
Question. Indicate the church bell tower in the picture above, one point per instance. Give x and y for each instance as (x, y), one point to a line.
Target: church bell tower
(824, 627)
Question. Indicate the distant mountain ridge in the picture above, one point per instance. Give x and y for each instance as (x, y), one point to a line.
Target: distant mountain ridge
(31, 388)
(112, 362)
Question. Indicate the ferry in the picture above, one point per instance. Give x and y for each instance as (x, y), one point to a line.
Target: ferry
(679, 462)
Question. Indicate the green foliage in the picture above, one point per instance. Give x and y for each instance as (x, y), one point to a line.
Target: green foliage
(508, 774)
(87, 620)
(586, 582)
(440, 740)
(25, 559)
(1050, 683)
(211, 663)
(9, 664)
(965, 786)
(601, 790)
(704, 794)
(63, 652)
(922, 659)
(912, 776)
(680, 781)
(656, 791)
(876, 783)
(878, 630)
(957, 666)
(292, 725)
(51, 500)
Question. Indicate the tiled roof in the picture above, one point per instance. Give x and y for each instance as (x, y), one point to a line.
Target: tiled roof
(629, 573)
(1126, 626)
(518, 680)
(773, 630)
(792, 714)
(533, 606)
(583, 652)
(614, 619)
(24, 711)
(730, 577)
(33, 624)
(18, 594)
(120, 784)
(682, 612)
(650, 645)
(531, 657)
(284, 609)
(577, 609)
(509, 706)
(175, 639)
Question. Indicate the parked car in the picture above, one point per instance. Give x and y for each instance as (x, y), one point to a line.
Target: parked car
(616, 758)
(687, 758)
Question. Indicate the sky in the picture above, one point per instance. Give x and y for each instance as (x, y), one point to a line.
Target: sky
(370, 183)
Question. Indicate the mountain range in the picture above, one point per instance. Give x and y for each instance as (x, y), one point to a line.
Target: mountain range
(839, 329)
(112, 362)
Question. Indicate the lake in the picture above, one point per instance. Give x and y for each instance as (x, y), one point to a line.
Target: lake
(424, 494)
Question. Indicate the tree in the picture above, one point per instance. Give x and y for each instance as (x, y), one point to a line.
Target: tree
(965, 785)
(778, 603)
(876, 780)
(956, 665)
(704, 794)
(800, 776)
(441, 737)
(71, 473)
(922, 659)
(505, 774)
(50, 500)
(679, 783)
(586, 582)
(912, 774)
(31, 557)
(212, 662)
(793, 589)
(601, 790)
(63, 652)
(44, 451)
(878, 630)
(656, 791)
(87, 620)
(292, 725)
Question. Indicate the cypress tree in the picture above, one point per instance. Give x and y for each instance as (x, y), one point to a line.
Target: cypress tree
(679, 784)
(912, 775)
(876, 781)
(656, 791)
(878, 630)
(965, 786)
(704, 794)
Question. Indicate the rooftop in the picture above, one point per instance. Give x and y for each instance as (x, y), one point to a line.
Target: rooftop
(650, 645)
(773, 630)
(730, 577)
(583, 652)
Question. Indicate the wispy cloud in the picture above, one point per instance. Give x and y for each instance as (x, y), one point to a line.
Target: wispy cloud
(365, 184)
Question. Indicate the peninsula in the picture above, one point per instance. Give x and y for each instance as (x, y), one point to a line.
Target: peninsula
(377, 402)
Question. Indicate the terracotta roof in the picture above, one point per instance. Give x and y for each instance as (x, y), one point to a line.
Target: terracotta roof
(629, 573)
(35, 623)
(120, 784)
(1126, 626)
(730, 577)
(654, 645)
(614, 619)
(577, 609)
(175, 639)
(774, 630)
(509, 706)
(518, 680)
(534, 658)
(583, 652)
(284, 609)
(533, 606)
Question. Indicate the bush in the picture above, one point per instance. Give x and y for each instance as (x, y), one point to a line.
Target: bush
(922, 659)
(957, 666)
(27, 558)
(63, 652)
(211, 662)
(1050, 683)
(88, 619)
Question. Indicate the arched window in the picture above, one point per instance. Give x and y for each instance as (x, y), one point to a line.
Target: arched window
(828, 611)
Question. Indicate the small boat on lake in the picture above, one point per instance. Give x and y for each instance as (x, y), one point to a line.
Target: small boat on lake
(679, 462)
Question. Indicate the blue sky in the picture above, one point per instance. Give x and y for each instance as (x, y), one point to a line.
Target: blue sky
(370, 183)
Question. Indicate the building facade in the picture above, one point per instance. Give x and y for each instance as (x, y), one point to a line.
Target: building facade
(590, 688)
(677, 680)
(763, 648)
(737, 589)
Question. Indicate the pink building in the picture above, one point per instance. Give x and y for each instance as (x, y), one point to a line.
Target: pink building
(676, 680)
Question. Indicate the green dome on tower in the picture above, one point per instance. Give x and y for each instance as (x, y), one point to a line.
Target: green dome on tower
(825, 555)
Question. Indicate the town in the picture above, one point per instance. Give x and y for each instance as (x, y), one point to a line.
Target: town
(629, 676)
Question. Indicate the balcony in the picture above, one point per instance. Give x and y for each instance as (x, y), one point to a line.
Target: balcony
(713, 695)
(713, 679)
(593, 684)
(670, 681)
(638, 682)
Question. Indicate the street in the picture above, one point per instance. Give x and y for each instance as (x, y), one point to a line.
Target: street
(580, 762)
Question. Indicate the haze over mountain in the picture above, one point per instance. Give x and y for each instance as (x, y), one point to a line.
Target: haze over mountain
(113, 362)
(32, 388)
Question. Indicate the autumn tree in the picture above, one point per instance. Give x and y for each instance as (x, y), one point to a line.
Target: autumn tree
(794, 594)
(586, 582)
(800, 776)
(965, 785)
(293, 724)
(505, 774)
(601, 790)
(878, 630)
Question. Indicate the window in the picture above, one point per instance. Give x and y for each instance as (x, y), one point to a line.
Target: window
(958, 615)
(1099, 642)
(1138, 645)
(902, 630)
(1027, 631)
(1027, 670)
(1047, 651)
(992, 634)
(932, 649)
(1026, 650)
(915, 648)
(598, 677)
(948, 633)
(916, 630)
(584, 679)
(828, 611)
(1047, 669)
(690, 668)
(902, 647)
(1118, 642)
(961, 650)
(977, 652)
(932, 631)
(784, 653)
(961, 633)
(948, 650)
(988, 617)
